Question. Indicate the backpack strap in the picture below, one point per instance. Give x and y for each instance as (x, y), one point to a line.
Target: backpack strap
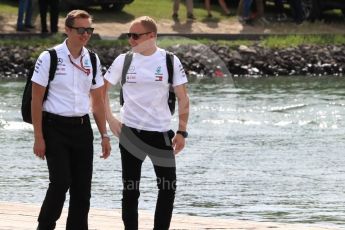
(126, 64)
(94, 65)
(170, 67)
(52, 69)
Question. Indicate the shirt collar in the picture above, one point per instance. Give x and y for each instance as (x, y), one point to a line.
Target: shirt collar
(83, 51)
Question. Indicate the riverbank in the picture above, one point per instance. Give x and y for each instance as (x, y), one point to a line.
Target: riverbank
(21, 216)
(208, 60)
(199, 60)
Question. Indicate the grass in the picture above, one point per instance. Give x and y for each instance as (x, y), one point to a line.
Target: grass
(296, 40)
(269, 42)
(8, 7)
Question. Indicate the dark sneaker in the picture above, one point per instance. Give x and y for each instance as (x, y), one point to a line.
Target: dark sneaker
(22, 29)
(299, 22)
(29, 26)
(282, 17)
(175, 16)
(191, 17)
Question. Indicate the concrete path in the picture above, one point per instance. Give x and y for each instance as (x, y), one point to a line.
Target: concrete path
(113, 29)
(19, 216)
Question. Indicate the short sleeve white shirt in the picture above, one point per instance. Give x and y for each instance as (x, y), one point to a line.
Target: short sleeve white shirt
(146, 90)
(69, 91)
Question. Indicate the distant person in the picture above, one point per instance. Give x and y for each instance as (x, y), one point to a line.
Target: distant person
(244, 11)
(246, 14)
(144, 130)
(260, 9)
(297, 11)
(176, 6)
(279, 6)
(24, 22)
(62, 128)
(223, 5)
(35, 12)
(53, 6)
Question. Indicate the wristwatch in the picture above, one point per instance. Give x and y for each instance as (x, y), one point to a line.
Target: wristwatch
(105, 135)
(183, 133)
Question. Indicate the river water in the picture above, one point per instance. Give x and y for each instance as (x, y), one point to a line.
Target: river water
(267, 149)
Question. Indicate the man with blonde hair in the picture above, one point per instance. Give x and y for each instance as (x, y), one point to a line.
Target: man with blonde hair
(62, 128)
(144, 129)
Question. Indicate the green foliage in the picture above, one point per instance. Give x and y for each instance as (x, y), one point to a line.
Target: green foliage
(8, 7)
(37, 42)
(296, 40)
(164, 42)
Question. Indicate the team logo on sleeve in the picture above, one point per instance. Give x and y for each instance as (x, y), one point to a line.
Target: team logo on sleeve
(38, 65)
(159, 74)
(109, 69)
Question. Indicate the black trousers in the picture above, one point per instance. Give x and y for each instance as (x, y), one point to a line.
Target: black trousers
(69, 154)
(54, 15)
(297, 10)
(135, 145)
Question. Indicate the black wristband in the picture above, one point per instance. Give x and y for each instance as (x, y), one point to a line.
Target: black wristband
(183, 133)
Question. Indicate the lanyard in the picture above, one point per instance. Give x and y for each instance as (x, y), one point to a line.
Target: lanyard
(81, 67)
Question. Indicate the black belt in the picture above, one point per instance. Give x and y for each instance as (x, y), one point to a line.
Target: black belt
(67, 120)
(170, 132)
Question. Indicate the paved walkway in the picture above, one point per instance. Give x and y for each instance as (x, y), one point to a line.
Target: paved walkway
(110, 29)
(19, 216)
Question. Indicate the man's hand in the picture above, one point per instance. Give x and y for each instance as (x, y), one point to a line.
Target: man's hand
(178, 143)
(106, 147)
(40, 147)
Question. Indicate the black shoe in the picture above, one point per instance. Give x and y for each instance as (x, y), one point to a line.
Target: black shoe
(191, 17)
(249, 21)
(22, 29)
(298, 21)
(282, 17)
(29, 26)
(175, 16)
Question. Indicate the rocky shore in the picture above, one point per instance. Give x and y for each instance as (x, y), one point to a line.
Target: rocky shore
(210, 61)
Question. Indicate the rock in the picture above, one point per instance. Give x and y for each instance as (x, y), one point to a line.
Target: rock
(204, 61)
(246, 49)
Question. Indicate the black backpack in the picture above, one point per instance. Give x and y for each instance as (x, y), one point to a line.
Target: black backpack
(27, 94)
(170, 67)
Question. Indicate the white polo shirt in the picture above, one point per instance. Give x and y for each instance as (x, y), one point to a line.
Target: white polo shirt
(145, 92)
(69, 90)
